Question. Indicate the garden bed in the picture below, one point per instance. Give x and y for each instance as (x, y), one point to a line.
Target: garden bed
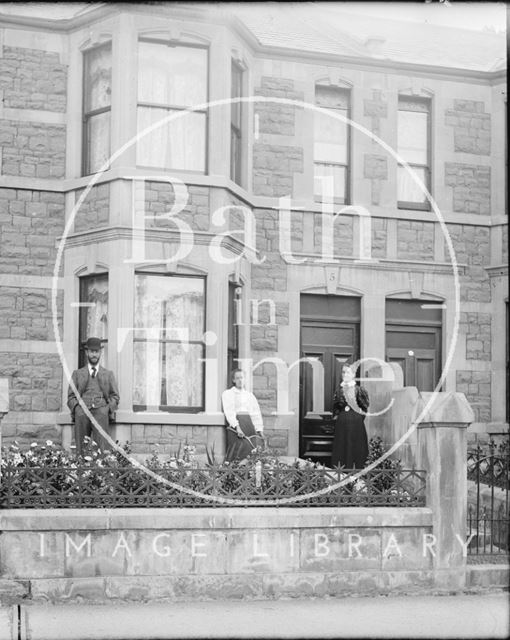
(45, 476)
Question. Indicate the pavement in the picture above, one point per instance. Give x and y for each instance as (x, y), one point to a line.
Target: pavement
(418, 616)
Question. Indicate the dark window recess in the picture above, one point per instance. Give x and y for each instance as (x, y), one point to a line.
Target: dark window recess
(236, 115)
(93, 320)
(233, 331)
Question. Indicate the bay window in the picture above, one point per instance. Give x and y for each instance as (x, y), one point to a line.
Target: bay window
(236, 109)
(233, 331)
(168, 347)
(97, 90)
(414, 147)
(93, 313)
(171, 79)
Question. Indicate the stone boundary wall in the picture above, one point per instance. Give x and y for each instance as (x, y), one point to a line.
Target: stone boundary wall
(227, 553)
(146, 439)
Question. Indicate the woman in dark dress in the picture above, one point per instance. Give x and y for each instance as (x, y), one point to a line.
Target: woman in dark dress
(350, 445)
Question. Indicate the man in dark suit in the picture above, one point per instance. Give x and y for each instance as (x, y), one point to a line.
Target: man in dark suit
(98, 390)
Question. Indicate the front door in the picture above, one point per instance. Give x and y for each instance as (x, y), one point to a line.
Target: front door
(329, 337)
(413, 340)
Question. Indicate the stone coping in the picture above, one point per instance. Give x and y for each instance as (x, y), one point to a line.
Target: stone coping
(213, 518)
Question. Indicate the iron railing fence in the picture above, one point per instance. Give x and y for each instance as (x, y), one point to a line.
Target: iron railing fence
(488, 521)
(92, 486)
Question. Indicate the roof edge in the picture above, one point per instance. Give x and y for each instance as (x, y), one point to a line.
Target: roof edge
(188, 9)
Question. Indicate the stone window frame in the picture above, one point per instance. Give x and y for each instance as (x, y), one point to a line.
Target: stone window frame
(82, 279)
(346, 89)
(421, 99)
(236, 129)
(177, 40)
(235, 295)
(216, 296)
(174, 409)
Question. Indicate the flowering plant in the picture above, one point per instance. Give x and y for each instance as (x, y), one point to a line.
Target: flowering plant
(46, 475)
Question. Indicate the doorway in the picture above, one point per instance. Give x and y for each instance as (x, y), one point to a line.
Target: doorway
(413, 340)
(330, 329)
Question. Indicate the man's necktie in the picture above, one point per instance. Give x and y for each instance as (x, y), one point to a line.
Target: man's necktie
(93, 372)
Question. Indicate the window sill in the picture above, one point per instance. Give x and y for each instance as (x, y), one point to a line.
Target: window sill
(413, 207)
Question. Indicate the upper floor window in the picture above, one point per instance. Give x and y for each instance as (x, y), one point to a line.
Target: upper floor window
(168, 346)
(97, 91)
(171, 79)
(331, 145)
(414, 147)
(236, 109)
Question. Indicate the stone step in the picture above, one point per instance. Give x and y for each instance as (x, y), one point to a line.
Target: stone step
(487, 576)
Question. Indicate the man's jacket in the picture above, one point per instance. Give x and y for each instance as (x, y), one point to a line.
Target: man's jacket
(106, 382)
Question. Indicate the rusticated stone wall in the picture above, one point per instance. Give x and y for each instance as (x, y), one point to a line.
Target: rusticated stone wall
(170, 438)
(415, 240)
(30, 222)
(379, 237)
(376, 108)
(343, 235)
(471, 187)
(94, 212)
(34, 386)
(33, 82)
(477, 328)
(472, 247)
(26, 313)
(476, 385)
(33, 79)
(471, 127)
(375, 168)
(33, 149)
(160, 198)
(274, 165)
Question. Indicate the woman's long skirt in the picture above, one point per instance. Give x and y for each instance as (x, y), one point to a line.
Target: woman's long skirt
(240, 448)
(350, 444)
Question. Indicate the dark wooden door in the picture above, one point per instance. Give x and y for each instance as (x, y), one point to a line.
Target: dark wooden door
(330, 341)
(420, 367)
(416, 347)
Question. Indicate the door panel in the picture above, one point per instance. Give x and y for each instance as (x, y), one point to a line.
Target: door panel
(425, 368)
(307, 380)
(326, 335)
(421, 366)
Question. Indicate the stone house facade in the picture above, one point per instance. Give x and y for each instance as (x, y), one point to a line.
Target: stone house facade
(88, 210)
